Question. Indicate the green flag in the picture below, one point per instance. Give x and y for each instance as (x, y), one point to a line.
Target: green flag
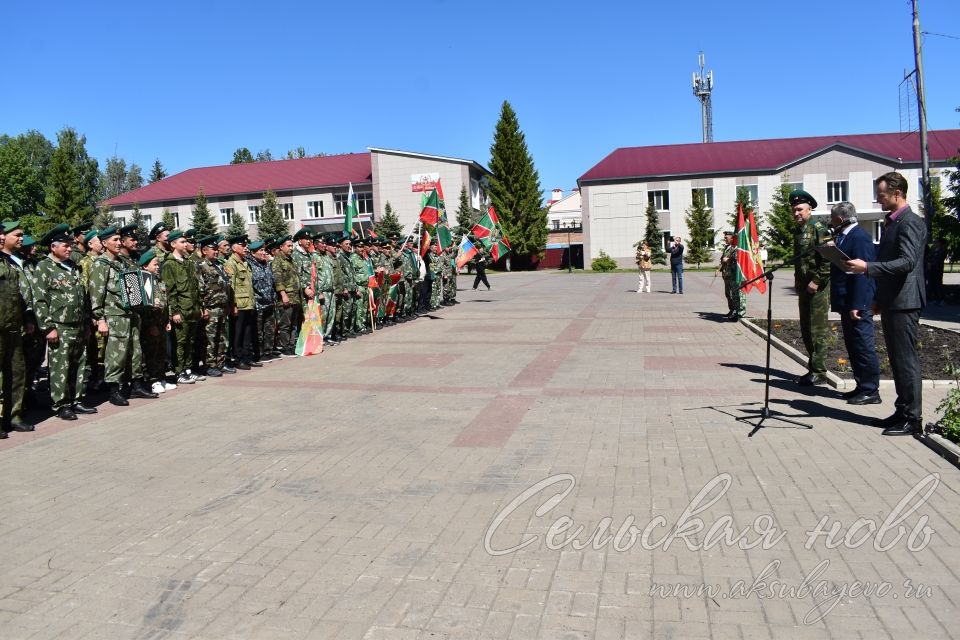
(350, 213)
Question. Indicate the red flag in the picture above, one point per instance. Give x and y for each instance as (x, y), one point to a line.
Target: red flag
(493, 215)
(430, 213)
(755, 250)
(424, 242)
(747, 267)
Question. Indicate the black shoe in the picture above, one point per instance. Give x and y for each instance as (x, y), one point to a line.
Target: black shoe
(255, 363)
(889, 421)
(846, 395)
(4, 435)
(117, 398)
(66, 413)
(811, 380)
(79, 407)
(21, 426)
(904, 428)
(243, 366)
(865, 398)
(227, 369)
(137, 390)
(213, 372)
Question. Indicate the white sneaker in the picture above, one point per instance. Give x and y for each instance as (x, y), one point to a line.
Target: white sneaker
(169, 386)
(183, 378)
(157, 387)
(195, 377)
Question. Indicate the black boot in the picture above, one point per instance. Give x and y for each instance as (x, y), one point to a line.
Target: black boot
(116, 395)
(139, 390)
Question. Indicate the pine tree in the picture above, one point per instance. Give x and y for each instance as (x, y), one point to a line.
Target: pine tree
(271, 218)
(136, 217)
(71, 192)
(946, 223)
(699, 219)
(168, 220)
(467, 216)
(113, 179)
(264, 155)
(105, 218)
(157, 172)
(654, 236)
(743, 199)
(242, 156)
(237, 227)
(295, 154)
(21, 186)
(388, 224)
(781, 226)
(134, 177)
(202, 220)
(515, 190)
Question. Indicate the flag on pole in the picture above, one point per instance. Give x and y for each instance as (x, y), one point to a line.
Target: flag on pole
(747, 267)
(350, 212)
(424, 242)
(493, 215)
(430, 213)
(465, 252)
(755, 250)
(484, 227)
(441, 204)
(444, 237)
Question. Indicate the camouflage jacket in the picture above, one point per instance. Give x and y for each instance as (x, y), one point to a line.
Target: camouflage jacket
(85, 263)
(302, 261)
(285, 278)
(59, 296)
(13, 295)
(728, 269)
(346, 271)
(264, 293)
(183, 287)
(214, 284)
(812, 267)
(241, 279)
(324, 273)
(105, 300)
(359, 265)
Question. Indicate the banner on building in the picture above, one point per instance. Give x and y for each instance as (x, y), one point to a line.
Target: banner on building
(423, 181)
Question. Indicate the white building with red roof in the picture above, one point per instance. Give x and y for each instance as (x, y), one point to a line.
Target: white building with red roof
(310, 191)
(616, 191)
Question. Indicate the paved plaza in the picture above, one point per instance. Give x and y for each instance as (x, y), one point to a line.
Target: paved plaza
(556, 458)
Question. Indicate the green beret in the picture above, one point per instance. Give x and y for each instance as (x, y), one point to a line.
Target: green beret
(157, 229)
(108, 232)
(799, 196)
(302, 233)
(176, 234)
(10, 225)
(240, 239)
(147, 256)
(208, 241)
(128, 231)
(60, 233)
(28, 241)
(255, 245)
(333, 238)
(190, 233)
(90, 235)
(283, 239)
(83, 227)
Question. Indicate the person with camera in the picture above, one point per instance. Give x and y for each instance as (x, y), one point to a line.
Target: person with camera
(676, 265)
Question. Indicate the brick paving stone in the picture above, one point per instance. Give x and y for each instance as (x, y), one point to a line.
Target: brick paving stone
(348, 495)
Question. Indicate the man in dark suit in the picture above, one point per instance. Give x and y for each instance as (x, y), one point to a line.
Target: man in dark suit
(676, 265)
(900, 296)
(851, 296)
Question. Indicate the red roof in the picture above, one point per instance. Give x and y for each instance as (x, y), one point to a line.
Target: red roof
(255, 177)
(761, 156)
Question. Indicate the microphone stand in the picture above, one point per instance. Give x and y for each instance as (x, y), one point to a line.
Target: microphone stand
(766, 413)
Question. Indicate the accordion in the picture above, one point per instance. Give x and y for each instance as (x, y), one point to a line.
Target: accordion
(136, 289)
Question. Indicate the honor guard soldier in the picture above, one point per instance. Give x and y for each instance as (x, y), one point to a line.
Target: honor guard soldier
(812, 281)
(117, 322)
(34, 345)
(96, 344)
(360, 279)
(265, 302)
(14, 306)
(62, 310)
(183, 302)
(291, 298)
(736, 299)
(330, 281)
(347, 292)
(449, 277)
(215, 304)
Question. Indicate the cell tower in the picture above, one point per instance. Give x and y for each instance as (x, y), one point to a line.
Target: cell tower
(702, 86)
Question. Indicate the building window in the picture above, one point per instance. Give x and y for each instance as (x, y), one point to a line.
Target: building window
(121, 221)
(711, 238)
(753, 194)
(364, 203)
(793, 186)
(667, 240)
(176, 218)
(836, 191)
(287, 209)
(253, 214)
(148, 220)
(707, 194)
(225, 216)
(556, 225)
(659, 199)
(877, 230)
(315, 209)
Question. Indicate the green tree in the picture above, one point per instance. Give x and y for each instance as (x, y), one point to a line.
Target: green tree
(781, 226)
(264, 155)
(136, 217)
(202, 220)
(699, 220)
(946, 216)
(237, 226)
(515, 190)
(743, 199)
(21, 185)
(104, 218)
(242, 156)
(71, 193)
(388, 223)
(168, 220)
(654, 236)
(295, 154)
(113, 179)
(271, 217)
(134, 177)
(157, 172)
(467, 216)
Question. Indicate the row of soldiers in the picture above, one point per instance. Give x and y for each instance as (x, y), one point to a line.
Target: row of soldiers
(207, 305)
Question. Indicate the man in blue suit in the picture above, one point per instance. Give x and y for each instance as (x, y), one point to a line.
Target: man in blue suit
(851, 296)
(901, 295)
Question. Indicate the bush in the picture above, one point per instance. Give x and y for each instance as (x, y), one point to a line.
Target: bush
(603, 262)
(949, 424)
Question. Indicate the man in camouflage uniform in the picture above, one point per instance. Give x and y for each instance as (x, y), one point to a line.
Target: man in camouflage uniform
(15, 304)
(154, 326)
(736, 299)
(812, 281)
(289, 311)
(34, 344)
(329, 282)
(118, 323)
(96, 343)
(361, 275)
(265, 299)
(158, 236)
(179, 274)
(409, 270)
(214, 289)
(436, 275)
(244, 312)
(80, 234)
(60, 303)
(348, 292)
(449, 277)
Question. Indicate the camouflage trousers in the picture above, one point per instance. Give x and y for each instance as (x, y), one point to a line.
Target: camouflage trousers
(153, 343)
(346, 313)
(362, 313)
(266, 338)
(215, 334)
(96, 350)
(183, 336)
(67, 359)
(288, 320)
(450, 288)
(410, 297)
(329, 313)
(736, 299)
(34, 346)
(124, 358)
(436, 290)
(814, 308)
(12, 375)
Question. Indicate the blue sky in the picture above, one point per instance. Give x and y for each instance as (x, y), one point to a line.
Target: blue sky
(190, 82)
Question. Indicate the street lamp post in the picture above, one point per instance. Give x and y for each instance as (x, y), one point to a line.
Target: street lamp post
(569, 248)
